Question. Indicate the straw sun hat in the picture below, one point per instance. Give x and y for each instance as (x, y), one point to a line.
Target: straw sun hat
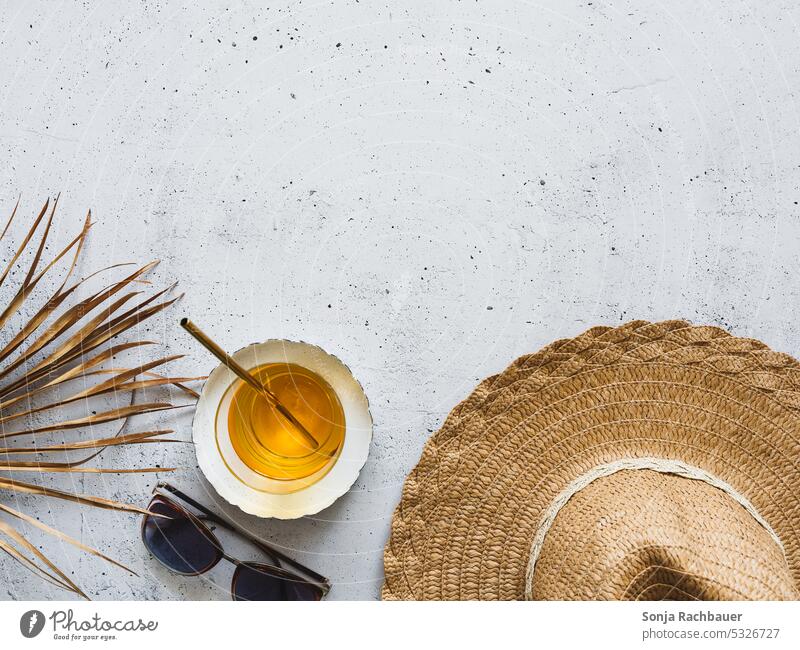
(648, 461)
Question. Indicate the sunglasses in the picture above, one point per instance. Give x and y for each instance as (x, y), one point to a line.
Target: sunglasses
(183, 542)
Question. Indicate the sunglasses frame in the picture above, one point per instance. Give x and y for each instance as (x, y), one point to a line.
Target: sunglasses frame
(301, 573)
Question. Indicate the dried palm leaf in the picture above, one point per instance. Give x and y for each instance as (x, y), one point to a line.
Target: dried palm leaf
(65, 342)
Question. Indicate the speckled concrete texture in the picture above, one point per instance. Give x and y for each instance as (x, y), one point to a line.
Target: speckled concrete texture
(426, 189)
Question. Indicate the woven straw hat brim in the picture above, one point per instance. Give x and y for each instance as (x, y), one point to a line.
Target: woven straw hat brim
(470, 508)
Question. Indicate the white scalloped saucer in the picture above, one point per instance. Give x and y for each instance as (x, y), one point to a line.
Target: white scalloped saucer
(257, 494)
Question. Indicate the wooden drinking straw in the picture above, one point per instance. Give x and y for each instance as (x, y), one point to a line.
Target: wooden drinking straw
(245, 376)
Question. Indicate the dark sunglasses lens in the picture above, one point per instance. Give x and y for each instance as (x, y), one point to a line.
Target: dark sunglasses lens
(178, 542)
(254, 582)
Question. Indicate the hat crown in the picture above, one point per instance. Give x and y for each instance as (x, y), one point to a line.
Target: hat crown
(642, 534)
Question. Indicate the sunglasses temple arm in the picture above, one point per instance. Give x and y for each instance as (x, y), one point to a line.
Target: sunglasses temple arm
(285, 559)
(198, 506)
(274, 553)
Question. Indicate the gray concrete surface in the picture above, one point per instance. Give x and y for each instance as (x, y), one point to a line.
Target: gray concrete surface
(427, 189)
